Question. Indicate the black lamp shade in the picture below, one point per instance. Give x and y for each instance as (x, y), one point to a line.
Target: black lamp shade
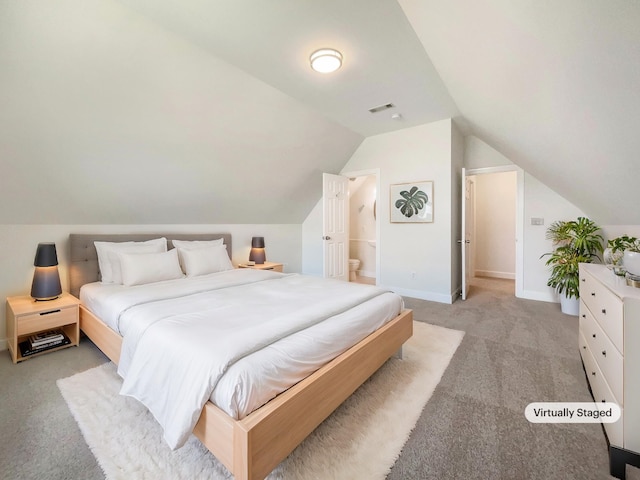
(46, 255)
(257, 253)
(46, 280)
(257, 242)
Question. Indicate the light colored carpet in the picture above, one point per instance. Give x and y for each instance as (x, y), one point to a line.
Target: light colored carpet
(360, 440)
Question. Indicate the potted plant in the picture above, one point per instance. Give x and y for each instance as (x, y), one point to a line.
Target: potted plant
(575, 241)
(623, 255)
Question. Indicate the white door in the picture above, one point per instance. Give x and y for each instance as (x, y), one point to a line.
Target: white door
(335, 226)
(465, 241)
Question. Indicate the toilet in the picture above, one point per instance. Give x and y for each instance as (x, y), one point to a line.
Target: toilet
(354, 264)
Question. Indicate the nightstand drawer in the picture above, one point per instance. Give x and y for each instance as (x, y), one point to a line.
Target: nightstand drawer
(56, 317)
(277, 268)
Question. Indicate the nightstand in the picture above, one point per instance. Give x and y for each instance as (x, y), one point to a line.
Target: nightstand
(276, 267)
(25, 317)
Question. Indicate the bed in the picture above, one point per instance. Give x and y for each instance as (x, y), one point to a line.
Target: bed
(251, 446)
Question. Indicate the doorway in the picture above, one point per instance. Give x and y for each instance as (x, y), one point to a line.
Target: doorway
(364, 228)
(492, 220)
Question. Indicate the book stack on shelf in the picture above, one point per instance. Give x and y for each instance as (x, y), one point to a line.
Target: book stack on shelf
(39, 342)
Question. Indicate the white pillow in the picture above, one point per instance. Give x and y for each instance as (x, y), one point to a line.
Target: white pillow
(201, 261)
(183, 245)
(191, 244)
(141, 268)
(109, 262)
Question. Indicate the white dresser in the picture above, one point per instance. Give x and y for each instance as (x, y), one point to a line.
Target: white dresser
(609, 342)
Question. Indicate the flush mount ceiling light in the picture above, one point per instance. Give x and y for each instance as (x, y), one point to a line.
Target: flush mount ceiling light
(326, 60)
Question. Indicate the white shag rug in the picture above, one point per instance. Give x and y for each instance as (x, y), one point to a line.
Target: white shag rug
(360, 440)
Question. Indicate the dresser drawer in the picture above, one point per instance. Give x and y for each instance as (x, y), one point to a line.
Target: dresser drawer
(34, 322)
(605, 354)
(606, 308)
(601, 392)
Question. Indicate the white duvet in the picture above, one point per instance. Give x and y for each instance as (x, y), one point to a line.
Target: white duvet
(237, 337)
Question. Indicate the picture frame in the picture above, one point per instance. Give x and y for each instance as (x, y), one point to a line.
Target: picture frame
(411, 202)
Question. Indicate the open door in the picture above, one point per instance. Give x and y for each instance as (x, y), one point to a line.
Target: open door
(335, 226)
(465, 241)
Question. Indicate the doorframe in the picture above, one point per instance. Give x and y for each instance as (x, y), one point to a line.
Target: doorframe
(467, 240)
(519, 217)
(365, 173)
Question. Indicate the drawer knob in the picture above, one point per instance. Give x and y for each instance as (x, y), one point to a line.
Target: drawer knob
(583, 279)
(594, 335)
(593, 294)
(584, 315)
(604, 401)
(593, 373)
(604, 310)
(584, 347)
(604, 352)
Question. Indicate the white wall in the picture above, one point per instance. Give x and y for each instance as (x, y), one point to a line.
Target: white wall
(613, 231)
(430, 251)
(495, 225)
(415, 259)
(541, 202)
(312, 241)
(18, 245)
(478, 154)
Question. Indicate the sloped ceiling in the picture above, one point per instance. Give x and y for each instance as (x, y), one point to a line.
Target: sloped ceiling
(384, 60)
(195, 111)
(554, 86)
(206, 111)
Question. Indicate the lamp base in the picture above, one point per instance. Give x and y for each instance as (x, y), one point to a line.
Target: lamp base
(46, 284)
(257, 255)
(46, 299)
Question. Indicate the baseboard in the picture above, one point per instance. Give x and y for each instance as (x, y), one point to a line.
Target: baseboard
(539, 296)
(4, 345)
(366, 273)
(492, 274)
(449, 299)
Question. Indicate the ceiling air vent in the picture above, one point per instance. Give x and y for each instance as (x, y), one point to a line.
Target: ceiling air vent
(381, 108)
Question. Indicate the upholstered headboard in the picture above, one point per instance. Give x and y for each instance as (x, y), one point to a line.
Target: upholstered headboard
(83, 266)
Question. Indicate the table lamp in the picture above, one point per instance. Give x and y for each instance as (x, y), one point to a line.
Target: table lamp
(257, 250)
(46, 280)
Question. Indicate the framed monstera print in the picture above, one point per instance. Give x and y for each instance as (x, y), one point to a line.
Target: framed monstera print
(411, 202)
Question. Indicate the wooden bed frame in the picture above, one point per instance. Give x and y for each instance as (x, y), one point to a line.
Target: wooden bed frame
(252, 447)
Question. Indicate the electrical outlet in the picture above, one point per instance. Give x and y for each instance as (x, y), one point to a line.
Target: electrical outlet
(537, 221)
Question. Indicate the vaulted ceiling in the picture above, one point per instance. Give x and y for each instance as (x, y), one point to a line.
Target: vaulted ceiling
(554, 86)
(206, 111)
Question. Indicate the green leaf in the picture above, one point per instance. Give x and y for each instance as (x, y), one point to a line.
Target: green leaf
(576, 241)
(412, 202)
